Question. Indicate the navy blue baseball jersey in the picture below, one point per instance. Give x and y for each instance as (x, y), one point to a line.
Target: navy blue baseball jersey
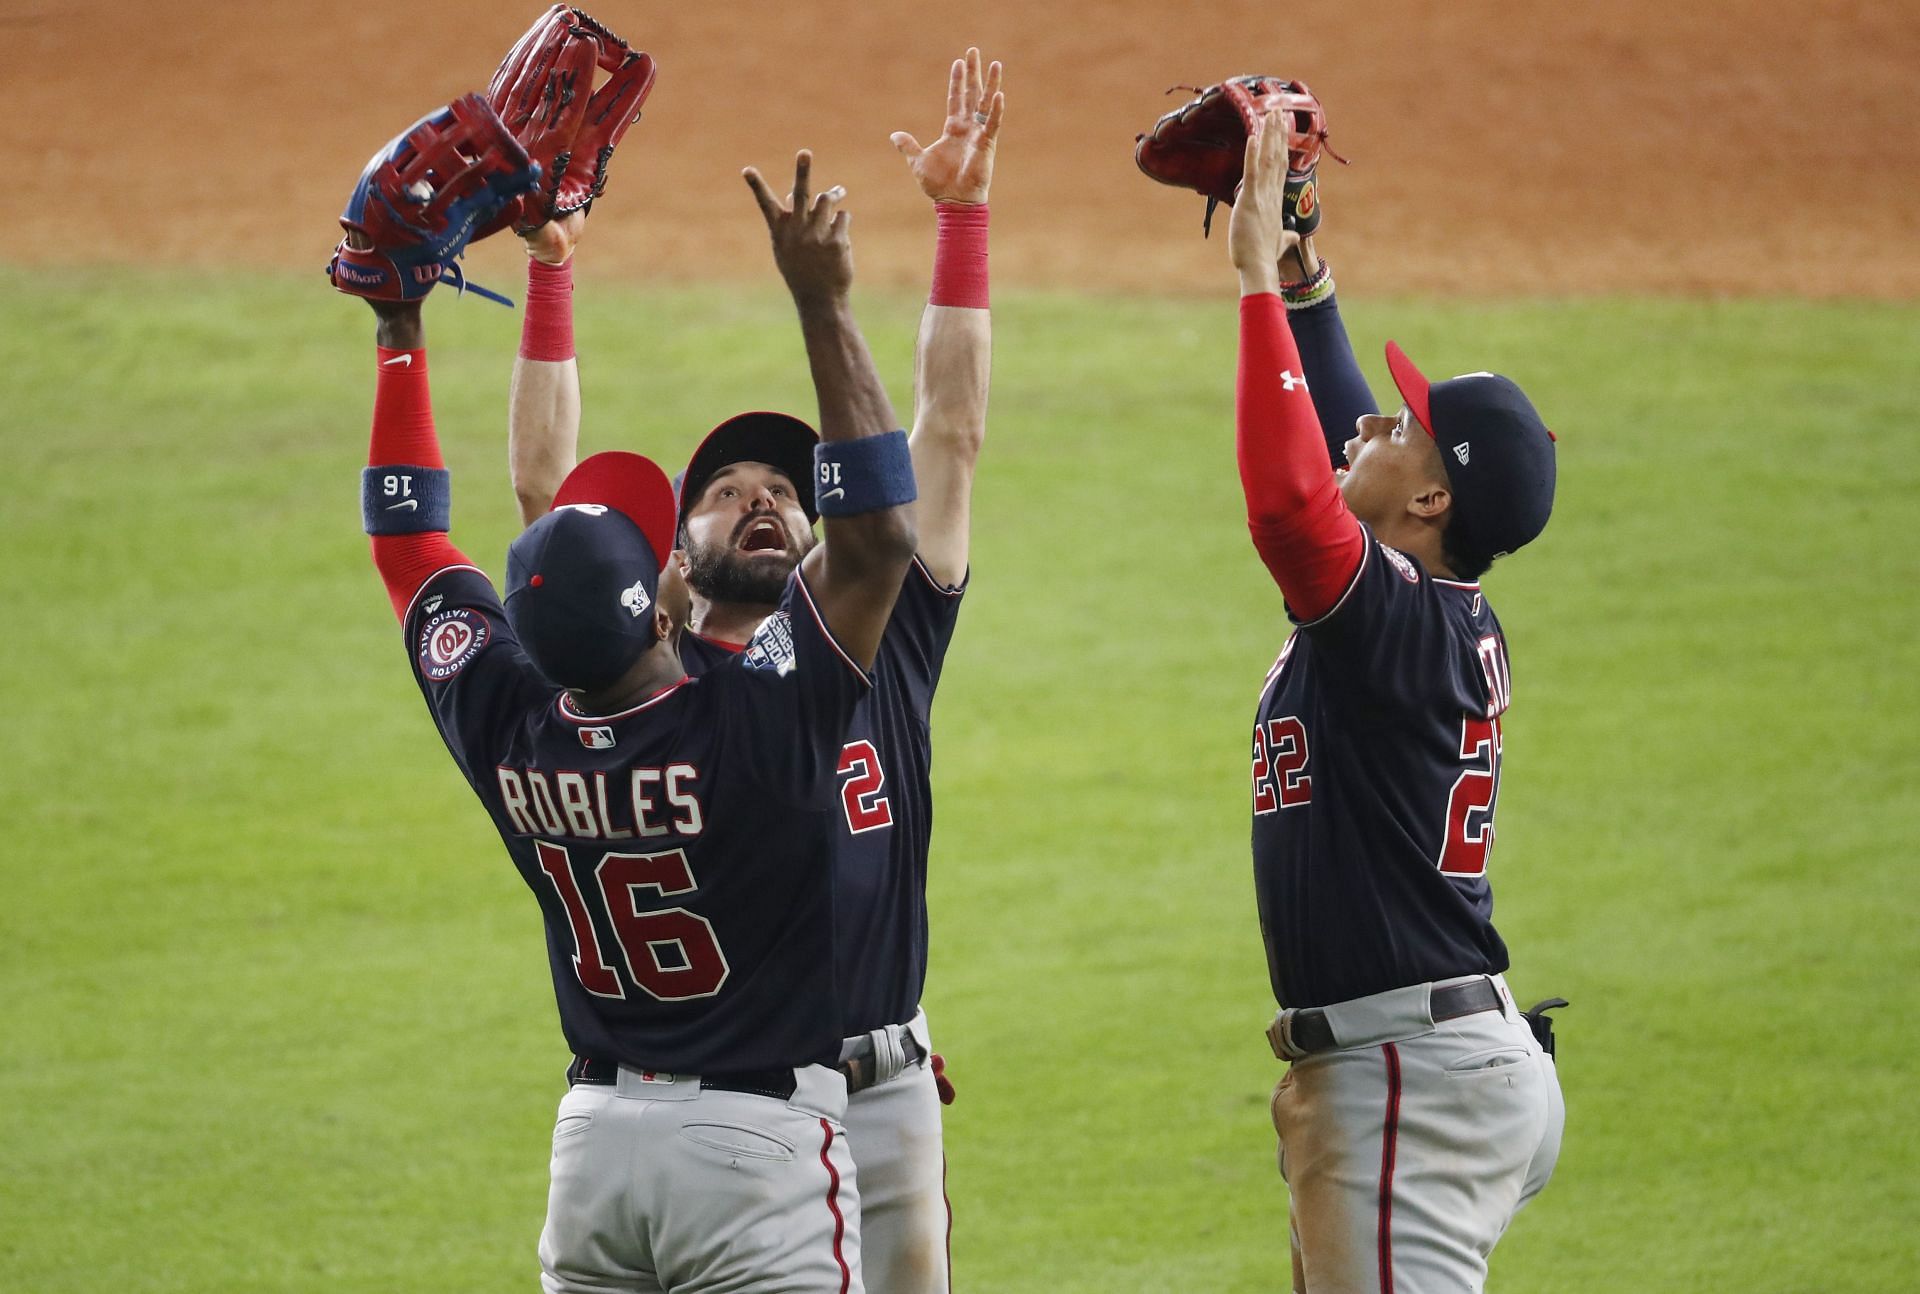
(884, 823)
(679, 849)
(1376, 767)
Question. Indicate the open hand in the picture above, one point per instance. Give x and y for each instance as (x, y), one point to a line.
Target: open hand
(553, 242)
(1258, 235)
(958, 166)
(810, 241)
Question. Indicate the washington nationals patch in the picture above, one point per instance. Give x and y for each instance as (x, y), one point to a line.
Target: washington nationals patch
(451, 639)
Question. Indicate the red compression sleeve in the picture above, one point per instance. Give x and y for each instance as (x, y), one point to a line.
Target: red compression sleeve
(960, 255)
(546, 329)
(1301, 526)
(403, 434)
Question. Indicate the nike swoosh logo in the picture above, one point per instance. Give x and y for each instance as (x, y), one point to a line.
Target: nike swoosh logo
(404, 361)
(838, 492)
(408, 504)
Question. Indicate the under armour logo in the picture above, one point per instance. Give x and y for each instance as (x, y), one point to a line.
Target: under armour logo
(1460, 452)
(1289, 381)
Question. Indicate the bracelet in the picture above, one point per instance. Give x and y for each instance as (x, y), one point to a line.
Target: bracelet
(865, 475)
(1309, 292)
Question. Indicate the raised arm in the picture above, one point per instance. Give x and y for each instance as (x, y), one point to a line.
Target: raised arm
(864, 485)
(543, 404)
(1341, 396)
(1301, 527)
(953, 360)
(405, 501)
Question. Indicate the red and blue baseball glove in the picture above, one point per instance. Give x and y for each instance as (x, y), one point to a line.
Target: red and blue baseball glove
(543, 91)
(1202, 145)
(423, 197)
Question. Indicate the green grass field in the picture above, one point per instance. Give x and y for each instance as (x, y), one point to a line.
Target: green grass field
(273, 1008)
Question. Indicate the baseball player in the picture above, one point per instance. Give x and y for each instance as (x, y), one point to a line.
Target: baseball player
(673, 830)
(747, 503)
(1419, 1111)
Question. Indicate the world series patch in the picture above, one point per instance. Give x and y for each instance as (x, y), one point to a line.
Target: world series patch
(771, 647)
(451, 639)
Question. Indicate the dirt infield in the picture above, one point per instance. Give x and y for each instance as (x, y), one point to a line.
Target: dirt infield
(1500, 146)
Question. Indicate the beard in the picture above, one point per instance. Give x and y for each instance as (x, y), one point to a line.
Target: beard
(724, 575)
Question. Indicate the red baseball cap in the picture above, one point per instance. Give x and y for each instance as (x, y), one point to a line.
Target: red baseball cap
(629, 484)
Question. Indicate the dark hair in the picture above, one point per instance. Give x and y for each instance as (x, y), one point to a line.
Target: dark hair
(1462, 559)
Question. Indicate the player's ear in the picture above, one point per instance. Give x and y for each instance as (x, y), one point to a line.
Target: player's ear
(1430, 501)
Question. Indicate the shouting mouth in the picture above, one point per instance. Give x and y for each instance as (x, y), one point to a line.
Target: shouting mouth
(762, 535)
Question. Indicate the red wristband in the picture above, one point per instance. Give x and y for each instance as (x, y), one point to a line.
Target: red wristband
(960, 256)
(546, 329)
(403, 412)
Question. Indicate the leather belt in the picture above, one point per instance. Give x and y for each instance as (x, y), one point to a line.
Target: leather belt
(776, 1083)
(858, 1069)
(1310, 1031)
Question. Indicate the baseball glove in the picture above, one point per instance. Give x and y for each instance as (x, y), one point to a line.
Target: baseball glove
(421, 198)
(1203, 144)
(543, 91)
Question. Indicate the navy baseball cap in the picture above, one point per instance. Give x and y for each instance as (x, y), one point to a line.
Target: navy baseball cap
(1499, 454)
(582, 580)
(776, 439)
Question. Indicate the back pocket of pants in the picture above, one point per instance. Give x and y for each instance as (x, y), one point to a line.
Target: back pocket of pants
(737, 1139)
(1505, 1059)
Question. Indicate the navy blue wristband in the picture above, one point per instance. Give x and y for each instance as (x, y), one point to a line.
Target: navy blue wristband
(865, 475)
(405, 500)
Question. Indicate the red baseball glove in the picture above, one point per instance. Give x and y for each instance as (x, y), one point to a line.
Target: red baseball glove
(1203, 144)
(543, 91)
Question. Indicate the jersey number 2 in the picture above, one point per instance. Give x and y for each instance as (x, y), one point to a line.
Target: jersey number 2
(1470, 807)
(669, 952)
(863, 795)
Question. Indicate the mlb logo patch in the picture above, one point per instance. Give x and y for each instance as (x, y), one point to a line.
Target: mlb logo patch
(449, 640)
(597, 738)
(771, 646)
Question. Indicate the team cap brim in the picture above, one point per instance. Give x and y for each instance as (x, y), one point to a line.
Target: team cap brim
(631, 485)
(1413, 385)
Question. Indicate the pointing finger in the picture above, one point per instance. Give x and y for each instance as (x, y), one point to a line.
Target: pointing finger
(802, 176)
(769, 205)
